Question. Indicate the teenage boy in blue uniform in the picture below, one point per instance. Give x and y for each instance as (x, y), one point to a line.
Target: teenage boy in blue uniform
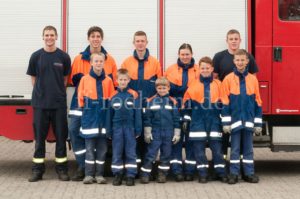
(124, 126)
(241, 116)
(161, 129)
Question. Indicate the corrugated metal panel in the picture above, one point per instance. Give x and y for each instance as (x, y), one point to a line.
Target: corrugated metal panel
(22, 23)
(118, 19)
(203, 24)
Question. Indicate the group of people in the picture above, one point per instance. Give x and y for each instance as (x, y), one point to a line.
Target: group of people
(148, 116)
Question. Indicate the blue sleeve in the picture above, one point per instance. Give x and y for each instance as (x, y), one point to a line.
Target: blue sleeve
(137, 117)
(76, 79)
(176, 117)
(108, 121)
(186, 111)
(148, 116)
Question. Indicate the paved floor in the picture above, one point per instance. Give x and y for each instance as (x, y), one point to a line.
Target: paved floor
(279, 178)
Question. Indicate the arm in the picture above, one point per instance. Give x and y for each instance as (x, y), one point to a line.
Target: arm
(258, 106)
(225, 92)
(137, 117)
(33, 80)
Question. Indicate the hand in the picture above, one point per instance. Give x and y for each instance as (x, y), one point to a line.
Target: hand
(227, 129)
(257, 131)
(148, 135)
(176, 137)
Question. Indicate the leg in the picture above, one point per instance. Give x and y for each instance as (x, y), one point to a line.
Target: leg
(189, 163)
(166, 150)
(101, 149)
(41, 127)
(176, 160)
(202, 164)
(235, 153)
(248, 163)
(117, 164)
(130, 152)
(90, 156)
(218, 160)
(60, 129)
(78, 143)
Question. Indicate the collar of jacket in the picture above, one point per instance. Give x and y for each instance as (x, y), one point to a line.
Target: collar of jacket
(94, 75)
(206, 79)
(122, 91)
(135, 55)
(186, 66)
(239, 74)
(165, 96)
(86, 54)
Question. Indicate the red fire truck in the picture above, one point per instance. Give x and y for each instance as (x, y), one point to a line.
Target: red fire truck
(270, 30)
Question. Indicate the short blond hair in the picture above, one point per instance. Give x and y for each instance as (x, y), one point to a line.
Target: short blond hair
(162, 81)
(94, 54)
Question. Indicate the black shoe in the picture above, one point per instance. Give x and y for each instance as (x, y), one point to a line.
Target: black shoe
(63, 175)
(161, 177)
(232, 179)
(188, 177)
(35, 176)
(144, 179)
(130, 181)
(118, 180)
(202, 179)
(251, 178)
(179, 177)
(79, 175)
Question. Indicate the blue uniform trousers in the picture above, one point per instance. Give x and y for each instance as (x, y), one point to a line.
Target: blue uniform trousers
(162, 140)
(176, 157)
(246, 137)
(124, 151)
(78, 142)
(217, 157)
(96, 149)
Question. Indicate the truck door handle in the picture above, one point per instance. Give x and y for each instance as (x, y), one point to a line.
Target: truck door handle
(277, 54)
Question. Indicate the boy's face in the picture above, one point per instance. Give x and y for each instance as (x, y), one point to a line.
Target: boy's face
(98, 63)
(233, 41)
(162, 90)
(95, 39)
(240, 62)
(206, 69)
(123, 81)
(49, 38)
(140, 43)
(185, 56)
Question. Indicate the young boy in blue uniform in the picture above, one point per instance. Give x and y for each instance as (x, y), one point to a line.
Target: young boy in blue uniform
(94, 91)
(161, 128)
(241, 116)
(124, 126)
(202, 105)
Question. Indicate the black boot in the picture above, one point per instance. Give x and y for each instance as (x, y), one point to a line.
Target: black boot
(232, 179)
(63, 175)
(118, 180)
(130, 181)
(36, 176)
(79, 175)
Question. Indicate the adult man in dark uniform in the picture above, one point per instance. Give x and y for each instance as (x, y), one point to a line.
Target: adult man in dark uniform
(49, 68)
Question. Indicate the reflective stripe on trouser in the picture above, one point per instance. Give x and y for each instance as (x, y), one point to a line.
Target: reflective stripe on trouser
(176, 157)
(78, 142)
(42, 118)
(190, 162)
(199, 151)
(162, 139)
(94, 160)
(217, 157)
(246, 137)
(124, 144)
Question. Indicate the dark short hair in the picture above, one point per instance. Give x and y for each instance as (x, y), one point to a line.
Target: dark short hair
(139, 33)
(242, 52)
(50, 28)
(95, 29)
(207, 60)
(185, 46)
(123, 71)
(233, 31)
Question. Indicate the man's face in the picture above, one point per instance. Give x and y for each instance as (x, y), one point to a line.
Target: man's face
(162, 90)
(185, 56)
(95, 39)
(123, 81)
(240, 62)
(140, 43)
(49, 38)
(233, 41)
(98, 63)
(206, 69)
